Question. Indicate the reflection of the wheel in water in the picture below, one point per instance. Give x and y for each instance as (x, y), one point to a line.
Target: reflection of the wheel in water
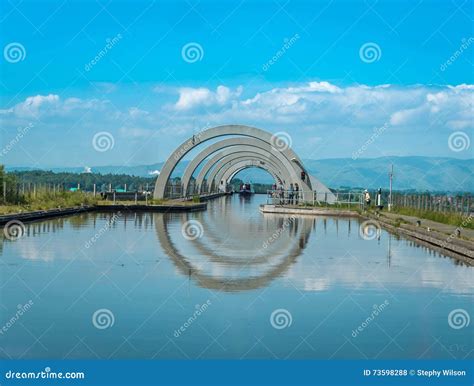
(239, 262)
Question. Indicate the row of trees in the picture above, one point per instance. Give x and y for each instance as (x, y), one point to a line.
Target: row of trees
(6, 179)
(85, 181)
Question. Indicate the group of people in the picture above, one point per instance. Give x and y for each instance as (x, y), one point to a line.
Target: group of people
(290, 196)
(378, 198)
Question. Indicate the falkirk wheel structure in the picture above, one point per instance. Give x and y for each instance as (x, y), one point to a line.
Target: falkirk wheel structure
(227, 150)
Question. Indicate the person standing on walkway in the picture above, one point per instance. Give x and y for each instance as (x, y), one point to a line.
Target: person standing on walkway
(291, 194)
(367, 197)
(297, 192)
(378, 199)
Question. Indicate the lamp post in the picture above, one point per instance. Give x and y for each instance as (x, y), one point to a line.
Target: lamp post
(390, 174)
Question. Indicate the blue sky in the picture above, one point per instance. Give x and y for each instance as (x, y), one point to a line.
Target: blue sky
(297, 67)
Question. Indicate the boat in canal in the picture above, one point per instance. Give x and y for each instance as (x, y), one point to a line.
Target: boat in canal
(245, 189)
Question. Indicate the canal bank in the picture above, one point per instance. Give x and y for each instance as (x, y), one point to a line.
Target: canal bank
(175, 207)
(172, 206)
(442, 237)
(435, 235)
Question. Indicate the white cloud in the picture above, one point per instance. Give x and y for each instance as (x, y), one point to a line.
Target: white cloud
(32, 105)
(135, 132)
(135, 112)
(324, 120)
(52, 105)
(193, 97)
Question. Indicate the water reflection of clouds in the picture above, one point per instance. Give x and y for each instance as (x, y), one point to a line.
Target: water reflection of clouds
(391, 263)
(314, 254)
(65, 238)
(31, 250)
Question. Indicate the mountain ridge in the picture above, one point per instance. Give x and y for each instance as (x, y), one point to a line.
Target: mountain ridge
(410, 172)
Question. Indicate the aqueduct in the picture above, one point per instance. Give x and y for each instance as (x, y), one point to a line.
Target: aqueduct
(220, 161)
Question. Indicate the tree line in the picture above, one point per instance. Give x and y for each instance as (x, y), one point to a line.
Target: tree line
(85, 181)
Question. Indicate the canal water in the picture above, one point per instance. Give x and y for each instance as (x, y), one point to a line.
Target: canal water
(230, 282)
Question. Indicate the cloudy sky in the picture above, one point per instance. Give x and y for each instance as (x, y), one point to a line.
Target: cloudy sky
(391, 78)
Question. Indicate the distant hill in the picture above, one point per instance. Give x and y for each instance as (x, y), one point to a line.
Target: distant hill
(417, 173)
(410, 173)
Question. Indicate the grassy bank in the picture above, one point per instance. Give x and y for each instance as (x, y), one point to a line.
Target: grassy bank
(44, 201)
(74, 199)
(443, 218)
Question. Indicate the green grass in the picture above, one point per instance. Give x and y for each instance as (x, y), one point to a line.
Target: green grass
(443, 218)
(355, 206)
(44, 201)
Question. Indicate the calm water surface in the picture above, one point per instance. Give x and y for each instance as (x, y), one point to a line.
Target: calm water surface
(231, 283)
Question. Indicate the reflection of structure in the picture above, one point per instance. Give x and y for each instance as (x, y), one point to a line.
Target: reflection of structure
(219, 263)
(279, 159)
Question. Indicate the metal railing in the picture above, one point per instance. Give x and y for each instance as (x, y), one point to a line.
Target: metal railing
(291, 197)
